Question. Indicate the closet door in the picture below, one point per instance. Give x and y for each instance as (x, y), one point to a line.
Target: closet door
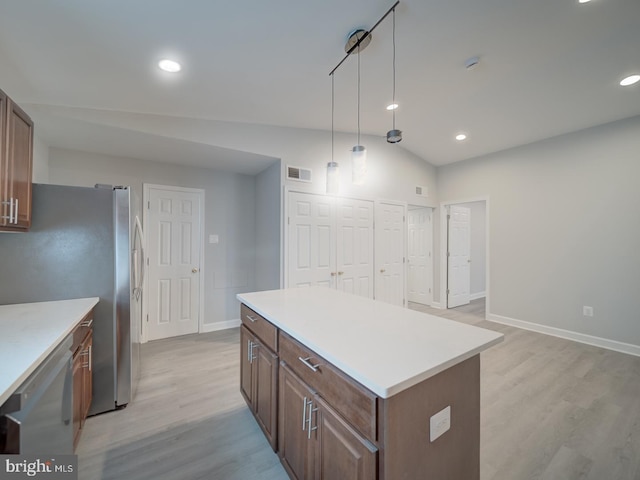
(354, 220)
(311, 236)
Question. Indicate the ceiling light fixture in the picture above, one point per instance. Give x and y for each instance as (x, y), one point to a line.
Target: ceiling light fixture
(394, 135)
(169, 66)
(630, 80)
(461, 136)
(392, 106)
(584, 1)
(359, 40)
(333, 170)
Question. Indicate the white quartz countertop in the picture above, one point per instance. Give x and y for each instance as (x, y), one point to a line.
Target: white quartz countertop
(384, 347)
(29, 332)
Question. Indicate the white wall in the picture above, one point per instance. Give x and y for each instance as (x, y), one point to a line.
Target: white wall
(564, 229)
(40, 172)
(230, 205)
(478, 247)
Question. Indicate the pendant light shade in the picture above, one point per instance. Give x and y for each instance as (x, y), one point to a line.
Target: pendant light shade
(333, 178)
(394, 135)
(359, 164)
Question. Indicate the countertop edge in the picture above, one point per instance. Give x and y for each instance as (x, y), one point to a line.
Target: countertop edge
(91, 302)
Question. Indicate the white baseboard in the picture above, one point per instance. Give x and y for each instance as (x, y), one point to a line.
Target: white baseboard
(568, 334)
(475, 296)
(437, 305)
(214, 327)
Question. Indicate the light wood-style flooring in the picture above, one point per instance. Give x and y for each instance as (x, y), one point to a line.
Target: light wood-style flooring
(551, 409)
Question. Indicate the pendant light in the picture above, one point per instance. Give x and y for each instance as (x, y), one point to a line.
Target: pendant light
(394, 135)
(333, 170)
(359, 152)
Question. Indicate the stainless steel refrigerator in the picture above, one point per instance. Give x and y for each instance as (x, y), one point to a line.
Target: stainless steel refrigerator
(85, 242)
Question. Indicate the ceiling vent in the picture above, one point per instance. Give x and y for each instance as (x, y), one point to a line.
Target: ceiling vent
(299, 174)
(422, 191)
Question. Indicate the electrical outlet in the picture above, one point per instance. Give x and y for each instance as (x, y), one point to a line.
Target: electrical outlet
(587, 311)
(439, 423)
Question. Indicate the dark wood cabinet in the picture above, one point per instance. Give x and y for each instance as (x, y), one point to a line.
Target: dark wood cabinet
(16, 161)
(258, 382)
(294, 446)
(315, 442)
(82, 374)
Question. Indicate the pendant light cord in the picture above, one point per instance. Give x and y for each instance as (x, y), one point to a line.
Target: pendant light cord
(358, 95)
(333, 96)
(394, 68)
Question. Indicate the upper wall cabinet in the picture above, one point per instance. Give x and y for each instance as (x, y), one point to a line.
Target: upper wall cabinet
(16, 160)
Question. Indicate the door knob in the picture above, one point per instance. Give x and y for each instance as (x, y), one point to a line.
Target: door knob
(340, 273)
(194, 270)
(333, 274)
(382, 270)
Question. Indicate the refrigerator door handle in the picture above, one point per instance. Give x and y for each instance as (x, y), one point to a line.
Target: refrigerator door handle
(137, 289)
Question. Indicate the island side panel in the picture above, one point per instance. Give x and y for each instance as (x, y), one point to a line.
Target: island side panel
(406, 450)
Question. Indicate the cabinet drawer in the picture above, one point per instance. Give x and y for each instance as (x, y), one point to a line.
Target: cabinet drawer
(81, 331)
(353, 401)
(263, 329)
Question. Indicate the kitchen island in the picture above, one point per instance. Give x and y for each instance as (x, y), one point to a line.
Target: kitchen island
(347, 387)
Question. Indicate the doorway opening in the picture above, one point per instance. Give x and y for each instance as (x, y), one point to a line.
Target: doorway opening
(464, 254)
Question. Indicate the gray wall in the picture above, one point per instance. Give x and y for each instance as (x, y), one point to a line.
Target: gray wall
(268, 230)
(564, 229)
(230, 205)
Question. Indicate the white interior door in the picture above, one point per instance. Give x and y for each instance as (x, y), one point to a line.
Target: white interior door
(420, 260)
(389, 253)
(459, 256)
(311, 236)
(355, 247)
(174, 237)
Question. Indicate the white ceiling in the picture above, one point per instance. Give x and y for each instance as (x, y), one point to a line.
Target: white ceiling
(547, 67)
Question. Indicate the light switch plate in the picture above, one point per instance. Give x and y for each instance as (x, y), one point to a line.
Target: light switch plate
(440, 423)
(214, 239)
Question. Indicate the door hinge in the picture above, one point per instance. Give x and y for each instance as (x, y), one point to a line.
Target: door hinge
(448, 254)
(448, 291)
(448, 216)
(147, 318)
(288, 220)
(149, 205)
(403, 260)
(429, 290)
(147, 261)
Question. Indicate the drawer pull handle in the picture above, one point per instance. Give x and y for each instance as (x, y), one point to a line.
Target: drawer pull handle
(253, 319)
(87, 323)
(311, 410)
(304, 412)
(306, 362)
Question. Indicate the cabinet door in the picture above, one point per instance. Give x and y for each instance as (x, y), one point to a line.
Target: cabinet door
(19, 151)
(295, 448)
(87, 383)
(342, 454)
(78, 381)
(4, 183)
(246, 379)
(265, 369)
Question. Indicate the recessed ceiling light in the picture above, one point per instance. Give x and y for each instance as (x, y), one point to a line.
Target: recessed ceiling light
(584, 1)
(392, 106)
(461, 136)
(169, 66)
(630, 80)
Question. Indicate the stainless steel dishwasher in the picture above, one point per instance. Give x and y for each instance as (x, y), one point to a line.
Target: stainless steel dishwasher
(37, 418)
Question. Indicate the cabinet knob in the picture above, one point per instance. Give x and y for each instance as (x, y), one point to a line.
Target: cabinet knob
(194, 270)
(382, 270)
(340, 273)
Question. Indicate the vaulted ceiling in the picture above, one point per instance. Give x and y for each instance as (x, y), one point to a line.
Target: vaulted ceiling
(546, 67)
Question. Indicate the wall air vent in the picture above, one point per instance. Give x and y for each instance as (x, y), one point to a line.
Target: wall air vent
(299, 174)
(422, 191)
